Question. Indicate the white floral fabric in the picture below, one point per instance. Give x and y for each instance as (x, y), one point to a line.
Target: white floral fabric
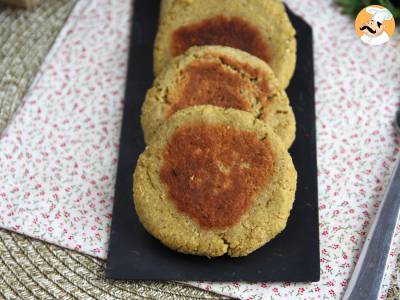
(58, 156)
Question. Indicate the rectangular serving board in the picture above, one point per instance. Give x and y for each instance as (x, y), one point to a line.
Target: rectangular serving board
(292, 256)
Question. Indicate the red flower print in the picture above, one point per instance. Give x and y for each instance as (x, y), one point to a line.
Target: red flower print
(328, 268)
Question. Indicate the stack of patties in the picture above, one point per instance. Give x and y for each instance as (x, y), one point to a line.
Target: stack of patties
(216, 176)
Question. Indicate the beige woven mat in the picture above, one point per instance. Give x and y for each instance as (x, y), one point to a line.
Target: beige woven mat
(30, 269)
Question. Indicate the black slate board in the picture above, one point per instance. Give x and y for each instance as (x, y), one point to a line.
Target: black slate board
(292, 256)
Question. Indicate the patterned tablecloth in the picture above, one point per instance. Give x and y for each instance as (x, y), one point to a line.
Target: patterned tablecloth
(58, 156)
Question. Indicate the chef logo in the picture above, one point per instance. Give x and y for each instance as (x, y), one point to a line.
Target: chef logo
(374, 25)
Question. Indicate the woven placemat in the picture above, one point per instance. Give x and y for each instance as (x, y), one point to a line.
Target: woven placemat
(31, 269)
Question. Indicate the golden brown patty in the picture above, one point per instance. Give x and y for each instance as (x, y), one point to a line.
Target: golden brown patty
(214, 181)
(259, 27)
(220, 76)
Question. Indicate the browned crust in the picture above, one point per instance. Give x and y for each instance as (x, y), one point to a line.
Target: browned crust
(213, 172)
(221, 30)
